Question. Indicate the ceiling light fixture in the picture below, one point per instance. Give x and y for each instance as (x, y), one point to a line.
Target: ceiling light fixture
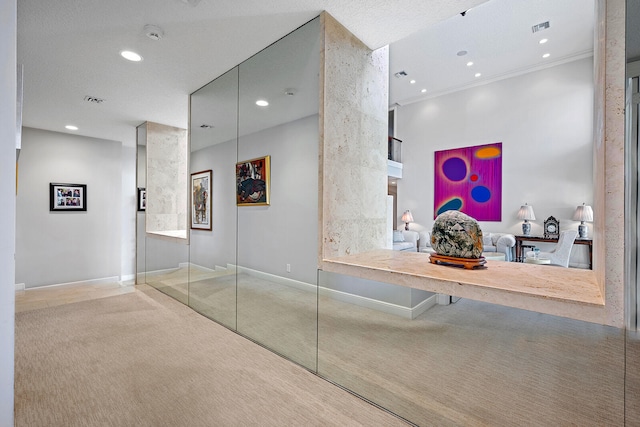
(546, 55)
(469, 64)
(412, 82)
(423, 91)
(71, 127)
(543, 41)
(261, 103)
(131, 56)
(478, 74)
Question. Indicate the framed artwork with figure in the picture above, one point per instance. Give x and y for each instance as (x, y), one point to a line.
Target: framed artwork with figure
(253, 181)
(201, 200)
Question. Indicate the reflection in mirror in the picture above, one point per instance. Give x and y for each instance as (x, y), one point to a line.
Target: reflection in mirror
(213, 124)
(494, 83)
(278, 243)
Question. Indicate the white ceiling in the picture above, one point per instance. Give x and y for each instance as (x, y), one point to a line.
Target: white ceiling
(70, 49)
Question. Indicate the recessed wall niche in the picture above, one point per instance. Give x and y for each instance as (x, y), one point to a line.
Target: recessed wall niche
(166, 180)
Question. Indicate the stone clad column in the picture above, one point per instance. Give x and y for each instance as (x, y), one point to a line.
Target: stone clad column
(353, 143)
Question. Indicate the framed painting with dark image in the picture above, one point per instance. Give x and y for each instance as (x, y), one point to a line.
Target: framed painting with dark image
(67, 197)
(201, 200)
(142, 199)
(253, 181)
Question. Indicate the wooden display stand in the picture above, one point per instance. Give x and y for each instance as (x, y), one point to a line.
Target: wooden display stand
(468, 263)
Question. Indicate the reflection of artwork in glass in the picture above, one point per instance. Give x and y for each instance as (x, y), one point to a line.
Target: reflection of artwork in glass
(142, 199)
(469, 180)
(252, 181)
(67, 197)
(201, 200)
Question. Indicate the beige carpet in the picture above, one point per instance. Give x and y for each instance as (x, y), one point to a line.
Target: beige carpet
(466, 364)
(143, 359)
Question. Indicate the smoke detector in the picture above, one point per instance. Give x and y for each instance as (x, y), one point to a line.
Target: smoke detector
(153, 32)
(290, 91)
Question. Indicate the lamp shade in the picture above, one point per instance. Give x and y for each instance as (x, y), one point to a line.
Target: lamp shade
(526, 213)
(583, 213)
(407, 217)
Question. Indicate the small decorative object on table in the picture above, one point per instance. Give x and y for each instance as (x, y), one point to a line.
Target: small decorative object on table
(551, 228)
(457, 240)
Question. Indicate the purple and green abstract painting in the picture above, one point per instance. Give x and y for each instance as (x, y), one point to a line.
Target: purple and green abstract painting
(469, 180)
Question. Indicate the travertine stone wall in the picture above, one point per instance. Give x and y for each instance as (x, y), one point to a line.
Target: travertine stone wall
(167, 171)
(609, 170)
(353, 143)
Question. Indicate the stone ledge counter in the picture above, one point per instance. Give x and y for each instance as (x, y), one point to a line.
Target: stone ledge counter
(566, 292)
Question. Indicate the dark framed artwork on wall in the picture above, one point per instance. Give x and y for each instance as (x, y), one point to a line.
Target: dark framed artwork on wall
(67, 197)
(201, 200)
(142, 199)
(253, 182)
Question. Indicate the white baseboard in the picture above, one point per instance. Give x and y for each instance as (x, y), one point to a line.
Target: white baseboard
(103, 280)
(374, 304)
(127, 277)
(20, 287)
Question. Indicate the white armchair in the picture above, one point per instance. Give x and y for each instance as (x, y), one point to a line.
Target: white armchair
(500, 242)
(561, 253)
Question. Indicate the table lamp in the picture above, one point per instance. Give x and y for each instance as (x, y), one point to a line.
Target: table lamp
(583, 213)
(526, 213)
(407, 218)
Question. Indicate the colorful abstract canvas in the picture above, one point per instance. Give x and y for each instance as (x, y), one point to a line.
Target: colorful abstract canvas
(469, 180)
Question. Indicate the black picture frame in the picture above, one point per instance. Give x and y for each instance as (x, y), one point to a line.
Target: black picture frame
(142, 199)
(67, 197)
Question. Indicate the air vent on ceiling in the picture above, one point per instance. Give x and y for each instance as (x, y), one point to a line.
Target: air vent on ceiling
(541, 26)
(93, 99)
(206, 126)
(400, 74)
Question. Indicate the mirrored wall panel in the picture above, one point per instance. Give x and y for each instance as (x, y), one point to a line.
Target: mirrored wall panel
(276, 181)
(213, 228)
(472, 363)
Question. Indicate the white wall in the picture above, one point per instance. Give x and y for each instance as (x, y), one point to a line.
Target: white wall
(544, 121)
(129, 204)
(269, 237)
(8, 13)
(61, 247)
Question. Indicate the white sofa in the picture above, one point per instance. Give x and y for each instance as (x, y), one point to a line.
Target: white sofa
(492, 242)
(405, 240)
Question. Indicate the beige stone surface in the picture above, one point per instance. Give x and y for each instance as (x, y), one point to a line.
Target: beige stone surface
(572, 293)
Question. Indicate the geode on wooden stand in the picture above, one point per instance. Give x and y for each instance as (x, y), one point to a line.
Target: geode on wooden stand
(457, 235)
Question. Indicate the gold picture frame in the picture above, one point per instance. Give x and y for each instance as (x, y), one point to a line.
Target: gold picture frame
(253, 182)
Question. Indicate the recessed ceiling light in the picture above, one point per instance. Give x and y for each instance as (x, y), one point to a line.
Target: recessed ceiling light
(546, 55)
(412, 82)
(71, 127)
(462, 53)
(469, 64)
(423, 91)
(261, 103)
(131, 56)
(543, 41)
(478, 74)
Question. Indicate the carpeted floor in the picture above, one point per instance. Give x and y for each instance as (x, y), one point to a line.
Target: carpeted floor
(143, 359)
(466, 364)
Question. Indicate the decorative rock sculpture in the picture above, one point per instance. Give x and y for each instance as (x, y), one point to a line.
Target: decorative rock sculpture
(456, 234)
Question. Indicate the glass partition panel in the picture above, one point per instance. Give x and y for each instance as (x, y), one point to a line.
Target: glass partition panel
(471, 363)
(167, 261)
(214, 145)
(277, 195)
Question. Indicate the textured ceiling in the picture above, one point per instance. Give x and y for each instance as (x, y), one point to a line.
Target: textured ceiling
(70, 49)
